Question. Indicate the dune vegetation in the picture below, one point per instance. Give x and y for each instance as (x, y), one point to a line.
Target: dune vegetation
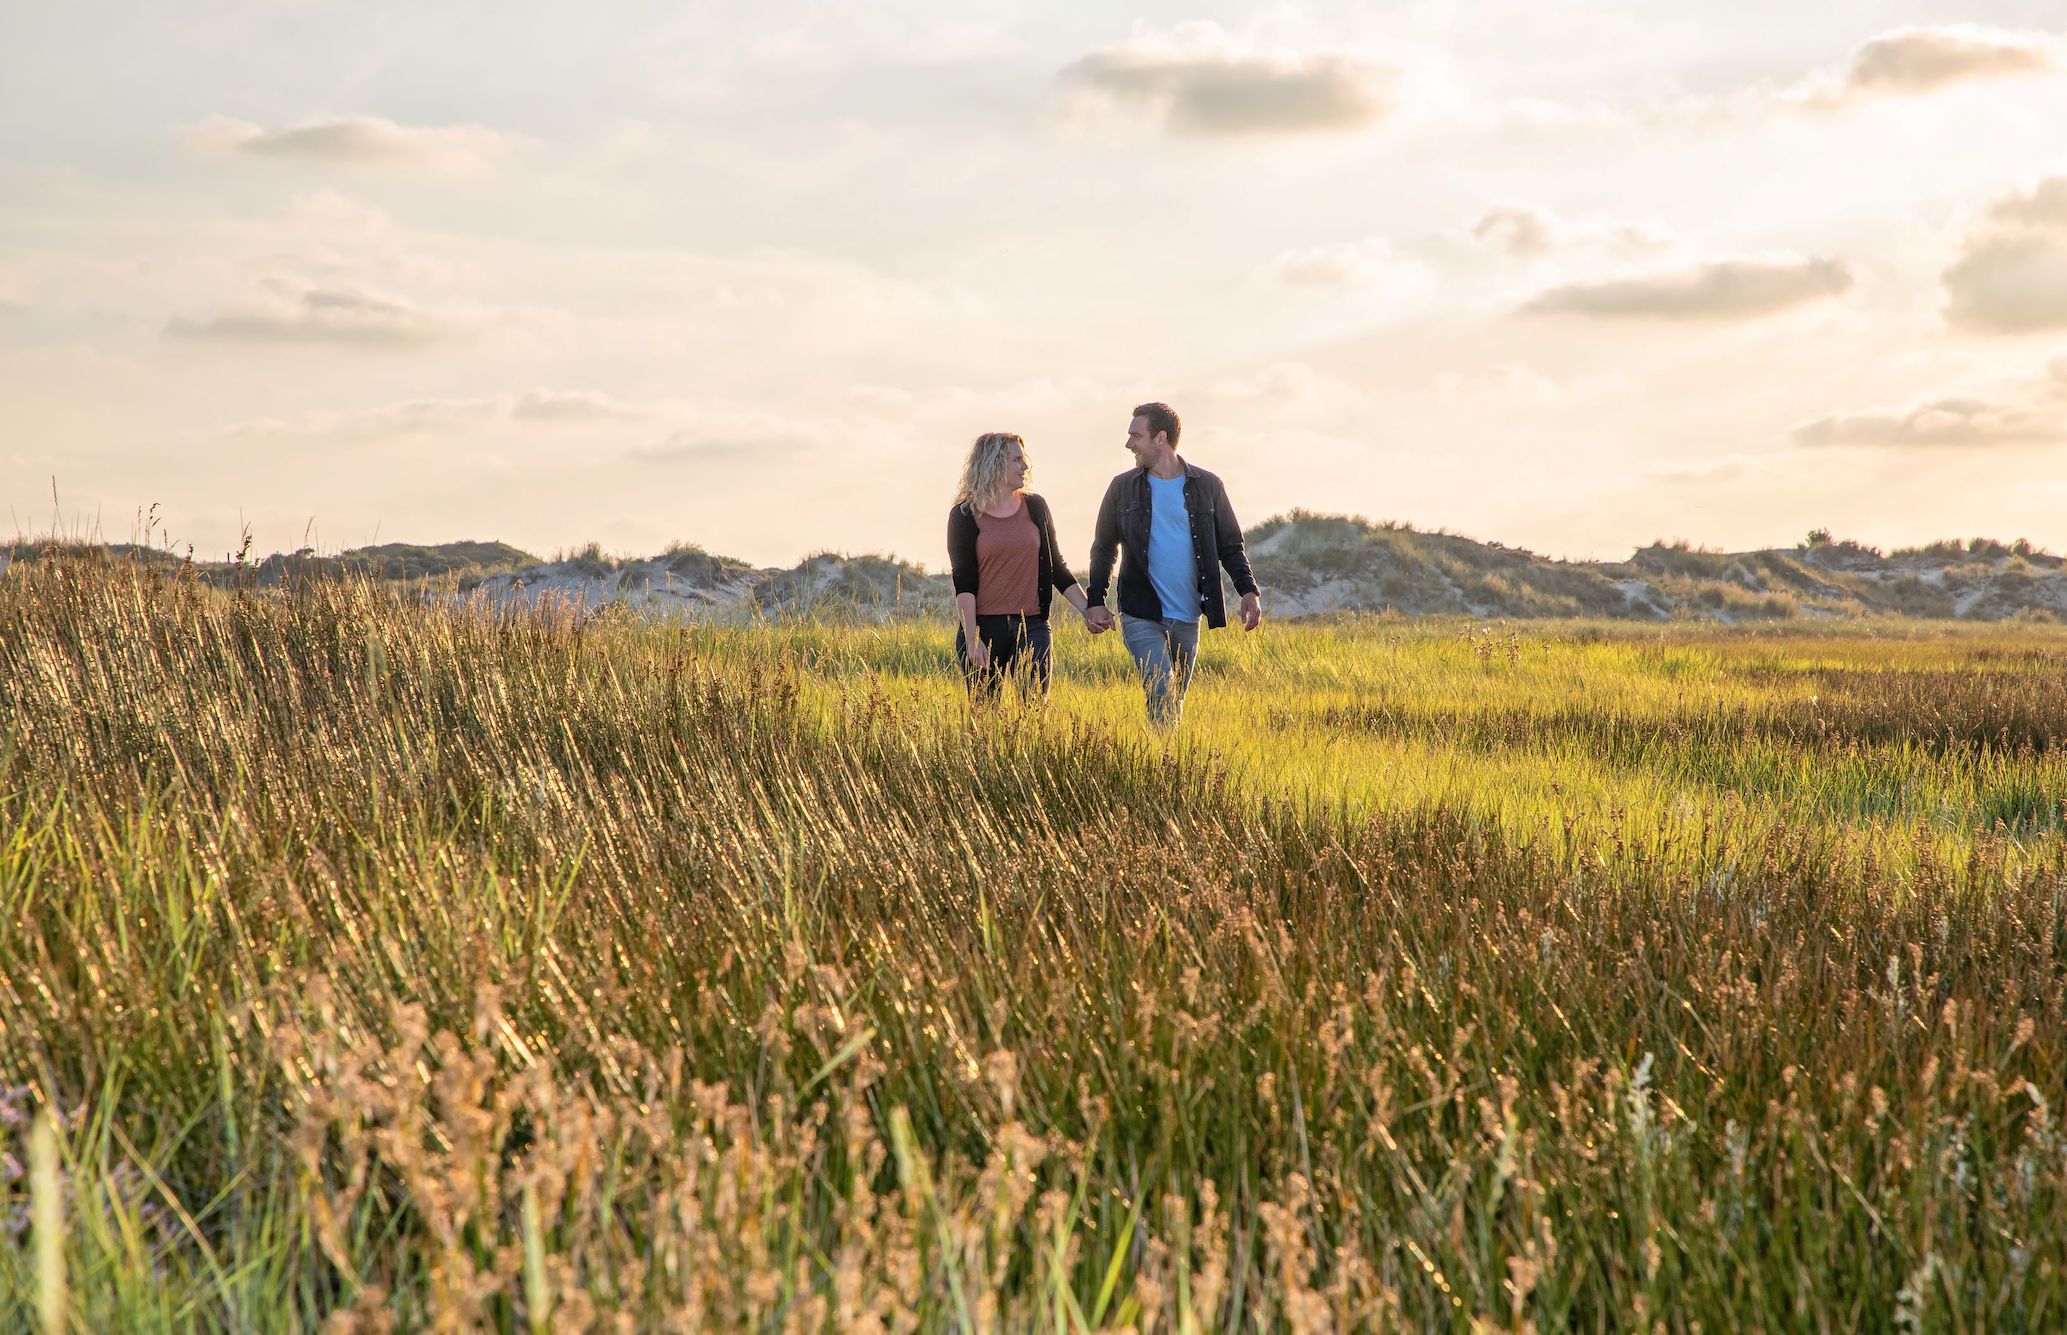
(368, 963)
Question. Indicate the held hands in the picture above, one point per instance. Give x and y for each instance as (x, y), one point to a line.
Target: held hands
(1100, 619)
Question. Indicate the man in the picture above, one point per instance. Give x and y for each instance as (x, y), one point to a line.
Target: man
(1173, 529)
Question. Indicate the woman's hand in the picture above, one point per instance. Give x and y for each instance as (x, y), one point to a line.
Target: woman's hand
(974, 652)
(1096, 619)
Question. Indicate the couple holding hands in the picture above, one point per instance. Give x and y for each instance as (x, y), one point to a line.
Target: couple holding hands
(1168, 522)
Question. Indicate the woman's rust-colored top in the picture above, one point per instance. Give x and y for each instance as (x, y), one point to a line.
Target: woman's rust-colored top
(1008, 561)
(970, 576)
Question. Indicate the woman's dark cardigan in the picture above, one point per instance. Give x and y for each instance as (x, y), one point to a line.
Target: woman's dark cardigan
(961, 549)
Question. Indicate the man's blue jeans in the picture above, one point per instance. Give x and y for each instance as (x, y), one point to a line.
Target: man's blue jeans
(1164, 653)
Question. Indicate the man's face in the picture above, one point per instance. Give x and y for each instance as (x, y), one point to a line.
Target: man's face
(1145, 447)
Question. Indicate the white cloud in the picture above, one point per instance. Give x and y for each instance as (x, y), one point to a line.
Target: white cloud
(1196, 80)
(1289, 384)
(1898, 64)
(2023, 412)
(541, 407)
(1709, 472)
(353, 141)
(1903, 63)
(2011, 273)
(2009, 284)
(732, 435)
(1939, 422)
(393, 421)
(1516, 230)
(1519, 229)
(1730, 289)
(2044, 206)
(1521, 380)
(1910, 62)
(285, 311)
(1371, 262)
(557, 405)
(1529, 231)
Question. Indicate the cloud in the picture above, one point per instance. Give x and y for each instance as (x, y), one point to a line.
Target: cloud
(1901, 63)
(2044, 205)
(286, 312)
(1910, 62)
(1939, 422)
(1519, 229)
(1904, 63)
(1197, 81)
(1523, 230)
(1708, 472)
(1286, 384)
(417, 417)
(2031, 411)
(1732, 289)
(353, 141)
(1520, 380)
(2011, 273)
(2009, 284)
(552, 405)
(1370, 262)
(732, 437)
(430, 417)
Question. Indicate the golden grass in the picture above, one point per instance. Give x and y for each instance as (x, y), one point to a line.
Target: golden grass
(389, 966)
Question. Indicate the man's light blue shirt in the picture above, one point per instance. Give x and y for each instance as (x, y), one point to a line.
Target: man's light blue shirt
(1173, 563)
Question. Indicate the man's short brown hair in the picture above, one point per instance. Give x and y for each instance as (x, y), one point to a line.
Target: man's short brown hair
(1161, 417)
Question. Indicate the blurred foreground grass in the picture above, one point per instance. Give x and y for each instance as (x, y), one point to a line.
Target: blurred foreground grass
(394, 967)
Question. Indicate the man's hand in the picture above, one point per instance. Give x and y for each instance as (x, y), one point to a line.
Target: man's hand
(1252, 611)
(977, 653)
(1098, 619)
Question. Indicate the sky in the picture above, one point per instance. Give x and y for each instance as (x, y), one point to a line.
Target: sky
(1572, 277)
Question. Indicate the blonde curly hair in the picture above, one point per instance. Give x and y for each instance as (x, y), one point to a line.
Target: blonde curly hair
(983, 476)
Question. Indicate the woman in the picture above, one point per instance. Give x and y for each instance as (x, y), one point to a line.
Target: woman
(1001, 546)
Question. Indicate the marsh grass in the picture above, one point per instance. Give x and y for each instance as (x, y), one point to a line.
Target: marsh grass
(388, 965)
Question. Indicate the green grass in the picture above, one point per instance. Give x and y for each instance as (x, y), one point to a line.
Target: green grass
(388, 964)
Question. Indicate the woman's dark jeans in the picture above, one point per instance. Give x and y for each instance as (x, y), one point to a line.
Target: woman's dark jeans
(1018, 651)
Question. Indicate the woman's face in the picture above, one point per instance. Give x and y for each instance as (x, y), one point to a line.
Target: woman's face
(1015, 466)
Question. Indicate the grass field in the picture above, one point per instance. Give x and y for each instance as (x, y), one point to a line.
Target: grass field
(370, 966)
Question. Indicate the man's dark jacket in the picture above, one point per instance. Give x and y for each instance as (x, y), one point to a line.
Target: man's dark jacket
(1123, 524)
